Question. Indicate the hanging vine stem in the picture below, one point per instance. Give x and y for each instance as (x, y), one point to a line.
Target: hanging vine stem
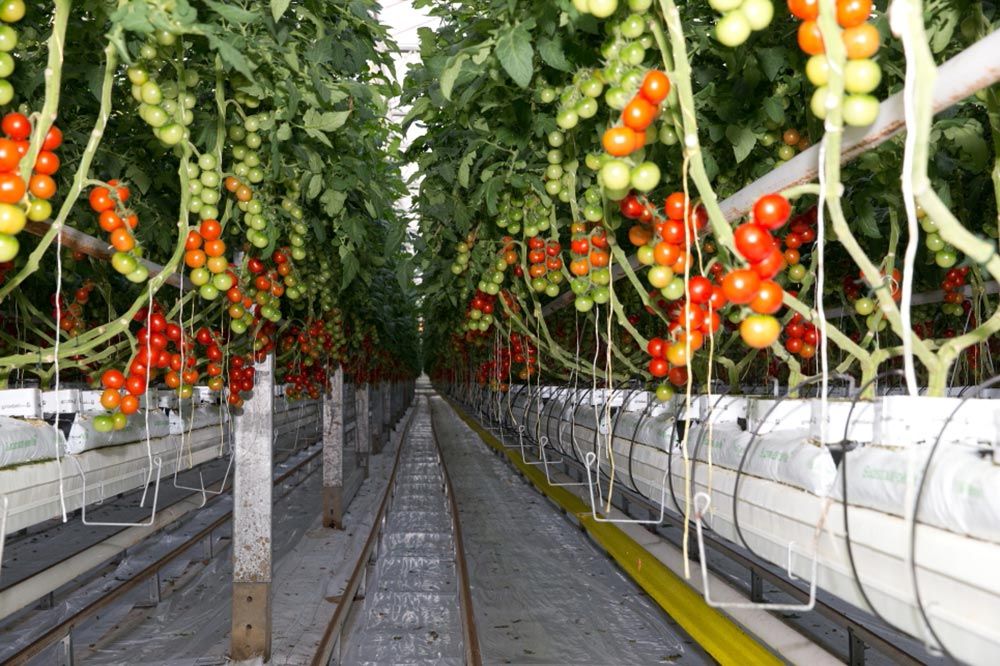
(44, 120)
(908, 22)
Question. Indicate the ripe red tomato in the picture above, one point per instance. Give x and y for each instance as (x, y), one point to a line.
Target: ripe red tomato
(740, 286)
(638, 114)
(768, 299)
(759, 330)
(658, 367)
(135, 384)
(753, 241)
(9, 155)
(53, 138)
(129, 405)
(672, 231)
(42, 186)
(771, 211)
(771, 265)
(656, 347)
(112, 379)
(674, 206)
(631, 207)
(47, 163)
(700, 289)
(16, 126)
(100, 199)
(655, 86)
(678, 376)
(807, 10)
(211, 230)
(11, 188)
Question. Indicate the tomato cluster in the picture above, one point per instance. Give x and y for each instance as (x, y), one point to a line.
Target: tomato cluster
(463, 253)
(166, 107)
(862, 75)
(479, 314)
(545, 265)
(955, 303)
(740, 18)
(590, 265)
(204, 254)
(527, 211)
(20, 201)
(624, 139)
(801, 337)
(945, 255)
(116, 219)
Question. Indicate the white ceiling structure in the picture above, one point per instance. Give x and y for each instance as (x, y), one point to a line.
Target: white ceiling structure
(404, 21)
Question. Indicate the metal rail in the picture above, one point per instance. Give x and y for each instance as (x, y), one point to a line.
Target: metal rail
(859, 630)
(971, 70)
(63, 631)
(95, 247)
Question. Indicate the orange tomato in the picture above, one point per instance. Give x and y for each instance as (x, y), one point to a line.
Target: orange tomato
(215, 248)
(639, 235)
(11, 188)
(851, 13)
(210, 229)
(579, 267)
(807, 10)
(109, 220)
(619, 141)
(129, 405)
(121, 239)
(861, 41)
(665, 253)
(638, 114)
(194, 258)
(810, 38)
(42, 186)
(599, 258)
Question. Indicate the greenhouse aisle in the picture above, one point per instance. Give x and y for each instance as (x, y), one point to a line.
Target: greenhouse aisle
(411, 613)
(542, 592)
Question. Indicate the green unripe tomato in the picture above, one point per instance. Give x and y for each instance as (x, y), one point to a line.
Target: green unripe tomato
(208, 292)
(139, 275)
(733, 29)
(645, 177)
(39, 210)
(660, 276)
(797, 273)
(6, 92)
(601, 295)
(200, 276)
(8, 38)
(864, 306)
(674, 290)
(583, 303)
(103, 423)
(616, 97)
(171, 134)
(615, 175)
(723, 6)
(934, 242)
(640, 6)
(646, 255)
(556, 138)
(547, 95)
(119, 421)
(664, 392)
(876, 322)
(860, 110)
(758, 13)
(818, 70)
(222, 281)
(578, 286)
(567, 119)
(586, 108)
(862, 76)
(6, 64)
(667, 135)
(11, 11)
(945, 258)
(123, 263)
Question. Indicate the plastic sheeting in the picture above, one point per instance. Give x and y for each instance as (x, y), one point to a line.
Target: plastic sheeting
(542, 592)
(23, 441)
(411, 612)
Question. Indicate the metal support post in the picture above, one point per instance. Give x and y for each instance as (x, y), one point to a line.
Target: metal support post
(333, 453)
(251, 627)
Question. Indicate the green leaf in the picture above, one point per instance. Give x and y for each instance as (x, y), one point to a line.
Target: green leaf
(315, 186)
(743, 140)
(278, 8)
(463, 168)
(772, 60)
(231, 55)
(349, 265)
(327, 121)
(232, 13)
(516, 54)
(551, 52)
(774, 110)
(333, 201)
(450, 74)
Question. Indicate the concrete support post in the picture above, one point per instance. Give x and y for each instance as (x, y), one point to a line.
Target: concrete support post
(251, 628)
(363, 426)
(333, 453)
(376, 407)
(387, 419)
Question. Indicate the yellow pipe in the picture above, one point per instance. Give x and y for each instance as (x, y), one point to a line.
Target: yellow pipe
(722, 638)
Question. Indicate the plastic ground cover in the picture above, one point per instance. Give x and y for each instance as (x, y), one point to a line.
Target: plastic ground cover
(542, 592)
